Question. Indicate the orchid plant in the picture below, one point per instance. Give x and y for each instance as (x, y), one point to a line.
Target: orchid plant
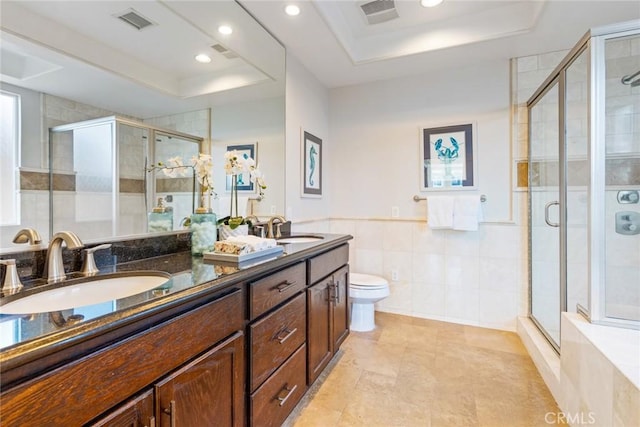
(201, 166)
(237, 163)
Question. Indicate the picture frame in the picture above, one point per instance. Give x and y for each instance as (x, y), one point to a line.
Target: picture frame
(447, 158)
(244, 182)
(311, 165)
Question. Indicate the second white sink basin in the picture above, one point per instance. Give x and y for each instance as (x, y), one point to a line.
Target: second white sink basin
(92, 291)
(299, 239)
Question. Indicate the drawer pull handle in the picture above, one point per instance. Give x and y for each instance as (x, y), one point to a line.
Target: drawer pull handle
(288, 335)
(283, 400)
(171, 411)
(284, 286)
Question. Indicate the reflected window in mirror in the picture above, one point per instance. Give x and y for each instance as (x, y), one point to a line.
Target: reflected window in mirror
(9, 149)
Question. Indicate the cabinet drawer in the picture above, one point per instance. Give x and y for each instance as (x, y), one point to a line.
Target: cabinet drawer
(322, 265)
(272, 290)
(275, 337)
(276, 398)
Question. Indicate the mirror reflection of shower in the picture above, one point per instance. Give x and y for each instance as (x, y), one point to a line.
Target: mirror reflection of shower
(100, 182)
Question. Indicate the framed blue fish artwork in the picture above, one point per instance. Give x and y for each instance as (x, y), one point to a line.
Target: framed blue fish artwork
(447, 158)
(311, 165)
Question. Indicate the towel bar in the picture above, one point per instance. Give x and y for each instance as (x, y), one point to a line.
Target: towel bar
(417, 198)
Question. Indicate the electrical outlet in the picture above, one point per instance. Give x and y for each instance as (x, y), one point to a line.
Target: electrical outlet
(395, 212)
(273, 209)
(394, 275)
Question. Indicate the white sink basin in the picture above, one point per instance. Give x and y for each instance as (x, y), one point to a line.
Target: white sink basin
(89, 292)
(299, 239)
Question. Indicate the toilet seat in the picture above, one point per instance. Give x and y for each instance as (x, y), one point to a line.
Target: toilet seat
(366, 281)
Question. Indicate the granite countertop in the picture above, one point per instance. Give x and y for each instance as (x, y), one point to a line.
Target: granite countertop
(23, 337)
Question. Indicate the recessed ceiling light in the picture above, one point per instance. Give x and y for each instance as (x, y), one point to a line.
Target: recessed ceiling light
(225, 29)
(292, 10)
(205, 59)
(430, 3)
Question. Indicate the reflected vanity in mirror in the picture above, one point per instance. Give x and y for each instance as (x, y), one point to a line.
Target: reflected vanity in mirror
(141, 85)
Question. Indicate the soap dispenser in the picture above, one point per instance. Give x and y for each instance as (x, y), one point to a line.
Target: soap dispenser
(160, 219)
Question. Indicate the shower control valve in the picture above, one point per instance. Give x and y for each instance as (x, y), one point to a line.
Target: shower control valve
(628, 223)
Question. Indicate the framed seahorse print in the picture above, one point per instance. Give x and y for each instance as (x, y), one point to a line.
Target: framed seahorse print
(311, 165)
(447, 158)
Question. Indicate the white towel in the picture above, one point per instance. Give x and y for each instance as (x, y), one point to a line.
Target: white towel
(253, 243)
(467, 213)
(440, 212)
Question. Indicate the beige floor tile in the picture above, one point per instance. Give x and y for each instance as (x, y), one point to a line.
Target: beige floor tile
(419, 372)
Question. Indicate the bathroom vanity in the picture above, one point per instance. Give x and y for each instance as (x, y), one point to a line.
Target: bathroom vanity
(219, 344)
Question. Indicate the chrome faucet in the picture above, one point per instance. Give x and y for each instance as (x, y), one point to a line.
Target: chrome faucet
(27, 235)
(280, 220)
(54, 265)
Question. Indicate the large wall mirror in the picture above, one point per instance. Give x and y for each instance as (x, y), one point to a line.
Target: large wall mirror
(128, 69)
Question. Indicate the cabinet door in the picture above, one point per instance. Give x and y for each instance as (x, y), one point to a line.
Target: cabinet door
(340, 300)
(137, 412)
(319, 339)
(208, 391)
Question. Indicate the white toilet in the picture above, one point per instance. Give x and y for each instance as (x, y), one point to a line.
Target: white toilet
(365, 290)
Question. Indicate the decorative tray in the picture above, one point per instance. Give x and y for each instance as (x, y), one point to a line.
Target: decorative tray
(271, 252)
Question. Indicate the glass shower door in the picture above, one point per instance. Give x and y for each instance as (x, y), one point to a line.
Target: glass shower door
(544, 201)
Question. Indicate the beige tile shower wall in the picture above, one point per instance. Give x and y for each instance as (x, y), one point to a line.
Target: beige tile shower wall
(60, 111)
(527, 74)
(622, 129)
(622, 108)
(131, 152)
(197, 123)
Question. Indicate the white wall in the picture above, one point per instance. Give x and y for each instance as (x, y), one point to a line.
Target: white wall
(307, 108)
(476, 278)
(375, 130)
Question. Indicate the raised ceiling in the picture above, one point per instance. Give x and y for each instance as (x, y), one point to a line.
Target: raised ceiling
(81, 49)
(333, 40)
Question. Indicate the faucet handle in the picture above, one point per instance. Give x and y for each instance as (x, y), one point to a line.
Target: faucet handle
(89, 267)
(11, 283)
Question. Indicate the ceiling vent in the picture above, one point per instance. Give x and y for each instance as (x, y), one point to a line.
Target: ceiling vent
(378, 11)
(229, 54)
(135, 19)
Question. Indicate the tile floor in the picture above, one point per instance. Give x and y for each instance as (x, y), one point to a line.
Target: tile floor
(417, 372)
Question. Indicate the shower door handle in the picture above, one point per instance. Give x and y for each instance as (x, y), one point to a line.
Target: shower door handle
(546, 214)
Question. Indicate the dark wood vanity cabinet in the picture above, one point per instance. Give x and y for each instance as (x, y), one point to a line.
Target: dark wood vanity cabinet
(136, 412)
(340, 315)
(277, 351)
(208, 391)
(243, 354)
(327, 308)
(94, 386)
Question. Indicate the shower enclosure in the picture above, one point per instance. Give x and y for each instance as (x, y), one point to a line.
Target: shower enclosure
(584, 184)
(100, 186)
